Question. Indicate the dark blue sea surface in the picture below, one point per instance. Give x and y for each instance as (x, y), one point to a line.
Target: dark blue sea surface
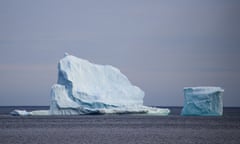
(119, 129)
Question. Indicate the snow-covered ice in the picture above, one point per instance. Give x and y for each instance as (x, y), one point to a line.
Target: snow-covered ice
(87, 88)
(205, 101)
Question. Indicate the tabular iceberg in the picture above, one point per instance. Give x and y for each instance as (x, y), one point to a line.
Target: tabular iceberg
(87, 88)
(204, 101)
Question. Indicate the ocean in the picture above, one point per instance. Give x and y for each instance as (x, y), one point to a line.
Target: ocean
(119, 129)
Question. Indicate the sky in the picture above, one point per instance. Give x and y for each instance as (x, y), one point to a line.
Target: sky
(162, 46)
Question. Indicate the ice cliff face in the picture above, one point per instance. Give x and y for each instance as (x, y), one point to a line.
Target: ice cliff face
(203, 101)
(86, 88)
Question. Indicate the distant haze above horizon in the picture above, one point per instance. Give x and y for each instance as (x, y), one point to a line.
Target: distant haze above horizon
(162, 46)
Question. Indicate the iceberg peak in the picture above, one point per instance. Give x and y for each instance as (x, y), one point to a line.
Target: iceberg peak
(66, 54)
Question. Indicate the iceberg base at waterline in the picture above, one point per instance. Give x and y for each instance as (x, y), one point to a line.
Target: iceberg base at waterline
(78, 111)
(87, 88)
(26, 113)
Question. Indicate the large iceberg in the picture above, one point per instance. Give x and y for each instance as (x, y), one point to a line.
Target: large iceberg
(87, 88)
(203, 101)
